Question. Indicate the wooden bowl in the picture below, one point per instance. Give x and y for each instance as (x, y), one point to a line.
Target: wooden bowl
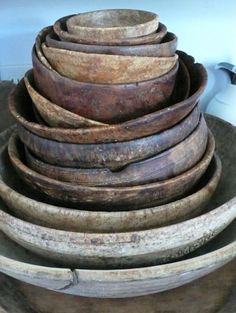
(32, 207)
(106, 68)
(38, 43)
(109, 103)
(166, 48)
(167, 164)
(60, 29)
(54, 115)
(117, 250)
(111, 155)
(23, 265)
(112, 24)
(136, 128)
(111, 198)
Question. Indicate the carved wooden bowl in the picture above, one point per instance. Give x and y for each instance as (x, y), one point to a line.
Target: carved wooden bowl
(35, 208)
(106, 68)
(165, 48)
(17, 262)
(107, 25)
(111, 198)
(164, 165)
(52, 114)
(117, 250)
(61, 30)
(119, 154)
(104, 102)
(19, 104)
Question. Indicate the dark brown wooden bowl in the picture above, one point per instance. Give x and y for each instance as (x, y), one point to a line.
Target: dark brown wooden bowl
(30, 205)
(111, 155)
(167, 164)
(19, 104)
(112, 24)
(109, 68)
(60, 29)
(52, 114)
(110, 198)
(166, 48)
(109, 103)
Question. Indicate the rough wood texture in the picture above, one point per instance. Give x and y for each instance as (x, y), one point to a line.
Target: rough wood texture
(165, 48)
(164, 165)
(110, 198)
(104, 102)
(117, 250)
(107, 25)
(106, 68)
(53, 114)
(60, 29)
(6, 119)
(19, 105)
(34, 208)
(215, 293)
(116, 155)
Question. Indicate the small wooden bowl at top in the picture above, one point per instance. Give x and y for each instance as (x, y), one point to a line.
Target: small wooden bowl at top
(164, 165)
(52, 114)
(106, 25)
(61, 30)
(166, 48)
(110, 155)
(117, 250)
(110, 198)
(136, 128)
(106, 68)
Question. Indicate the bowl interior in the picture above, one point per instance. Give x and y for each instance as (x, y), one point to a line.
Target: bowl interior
(111, 18)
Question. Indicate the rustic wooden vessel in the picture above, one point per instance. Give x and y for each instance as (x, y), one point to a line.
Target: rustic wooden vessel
(106, 68)
(216, 293)
(54, 115)
(104, 102)
(166, 48)
(32, 207)
(117, 250)
(19, 106)
(111, 198)
(61, 30)
(112, 24)
(117, 155)
(164, 165)
(18, 263)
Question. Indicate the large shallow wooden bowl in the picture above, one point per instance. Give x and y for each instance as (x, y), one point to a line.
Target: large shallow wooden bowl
(104, 102)
(19, 106)
(53, 114)
(111, 198)
(106, 68)
(164, 165)
(165, 48)
(107, 25)
(111, 155)
(117, 250)
(61, 30)
(17, 262)
(31, 206)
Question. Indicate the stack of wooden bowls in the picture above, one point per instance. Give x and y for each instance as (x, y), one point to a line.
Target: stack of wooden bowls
(116, 156)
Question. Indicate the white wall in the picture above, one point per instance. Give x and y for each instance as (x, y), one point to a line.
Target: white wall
(205, 28)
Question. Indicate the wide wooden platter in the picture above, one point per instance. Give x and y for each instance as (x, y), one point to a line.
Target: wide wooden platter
(215, 293)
